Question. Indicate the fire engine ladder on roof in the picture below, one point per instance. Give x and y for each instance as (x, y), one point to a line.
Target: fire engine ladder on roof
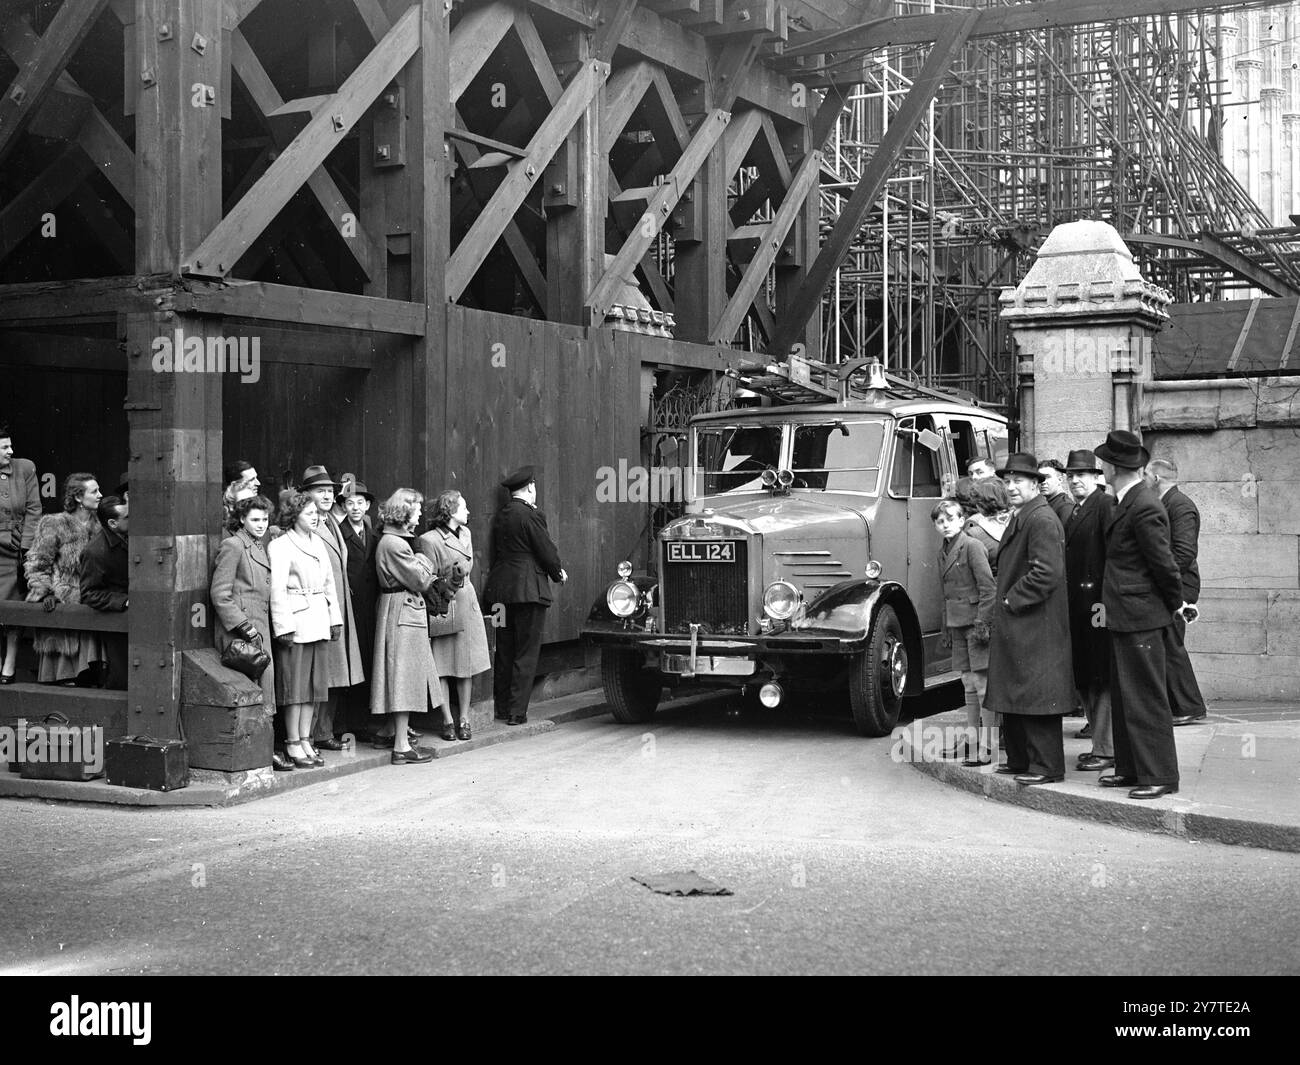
(808, 381)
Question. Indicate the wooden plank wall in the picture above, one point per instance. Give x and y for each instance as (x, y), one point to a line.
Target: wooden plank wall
(564, 404)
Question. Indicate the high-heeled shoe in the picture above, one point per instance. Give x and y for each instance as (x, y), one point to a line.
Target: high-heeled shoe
(299, 763)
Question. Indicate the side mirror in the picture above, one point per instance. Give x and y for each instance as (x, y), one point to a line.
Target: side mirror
(929, 440)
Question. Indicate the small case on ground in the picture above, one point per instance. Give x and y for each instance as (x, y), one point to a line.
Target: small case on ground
(65, 753)
(144, 762)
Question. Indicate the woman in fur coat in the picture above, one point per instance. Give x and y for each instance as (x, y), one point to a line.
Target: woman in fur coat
(53, 571)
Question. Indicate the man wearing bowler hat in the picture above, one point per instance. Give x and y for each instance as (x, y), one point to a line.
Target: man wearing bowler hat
(343, 655)
(1030, 682)
(1141, 591)
(523, 557)
(1085, 569)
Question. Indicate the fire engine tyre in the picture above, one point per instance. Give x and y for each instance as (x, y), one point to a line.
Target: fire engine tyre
(878, 677)
(631, 690)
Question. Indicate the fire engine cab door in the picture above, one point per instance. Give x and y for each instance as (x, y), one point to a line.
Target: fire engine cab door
(915, 477)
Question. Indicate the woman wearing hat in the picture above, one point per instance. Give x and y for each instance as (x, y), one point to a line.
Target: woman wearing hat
(405, 680)
(463, 653)
(305, 617)
(1030, 682)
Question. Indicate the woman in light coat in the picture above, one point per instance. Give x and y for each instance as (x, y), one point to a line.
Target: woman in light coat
(460, 655)
(305, 617)
(53, 570)
(241, 585)
(405, 680)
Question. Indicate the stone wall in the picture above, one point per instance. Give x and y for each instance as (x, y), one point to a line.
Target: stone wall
(1237, 447)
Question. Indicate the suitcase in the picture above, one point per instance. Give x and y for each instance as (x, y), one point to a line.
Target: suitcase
(144, 762)
(65, 755)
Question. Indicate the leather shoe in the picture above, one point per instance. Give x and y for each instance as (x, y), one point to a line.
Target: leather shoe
(414, 756)
(517, 721)
(1084, 733)
(6, 678)
(1152, 791)
(330, 744)
(280, 763)
(1093, 763)
(1114, 780)
(982, 758)
(1007, 771)
(1189, 719)
(1037, 778)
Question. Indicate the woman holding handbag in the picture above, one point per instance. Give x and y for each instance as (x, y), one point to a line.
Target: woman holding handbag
(241, 593)
(305, 615)
(458, 638)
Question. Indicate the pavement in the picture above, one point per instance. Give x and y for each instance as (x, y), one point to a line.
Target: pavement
(1239, 773)
(1239, 778)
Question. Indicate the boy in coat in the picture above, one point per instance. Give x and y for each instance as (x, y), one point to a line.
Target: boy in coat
(968, 591)
(1030, 681)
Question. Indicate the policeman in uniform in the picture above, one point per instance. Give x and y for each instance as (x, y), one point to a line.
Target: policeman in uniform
(524, 558)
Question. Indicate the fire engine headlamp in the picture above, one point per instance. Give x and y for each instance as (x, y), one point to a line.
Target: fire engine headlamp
(622, 599)
(785, 478)
(768, 478)
(874, 569)
(781, 600)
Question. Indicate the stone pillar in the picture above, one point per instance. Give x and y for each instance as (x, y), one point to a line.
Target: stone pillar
(1083, 319)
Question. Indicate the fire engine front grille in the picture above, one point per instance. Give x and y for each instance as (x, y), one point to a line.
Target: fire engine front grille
(714, 595)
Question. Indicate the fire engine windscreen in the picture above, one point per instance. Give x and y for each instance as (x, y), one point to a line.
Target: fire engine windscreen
(833, 456)
(733, 457)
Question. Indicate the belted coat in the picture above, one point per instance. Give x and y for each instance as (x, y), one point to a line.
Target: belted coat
(1030, 669)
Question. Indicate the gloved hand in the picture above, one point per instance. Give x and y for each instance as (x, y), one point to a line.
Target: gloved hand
(945, 639)
(245, 631)
(336, 631)
(285, 640)
(439, 596)
(979, 632)
(49, 602)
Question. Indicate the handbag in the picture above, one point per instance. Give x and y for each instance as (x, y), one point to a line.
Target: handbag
(247, 657)
(447, 624)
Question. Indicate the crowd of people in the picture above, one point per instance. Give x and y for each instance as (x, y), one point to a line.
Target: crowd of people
(365, 620)
(1071, 584)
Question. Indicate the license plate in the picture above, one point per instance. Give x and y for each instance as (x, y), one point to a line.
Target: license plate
(701, 551)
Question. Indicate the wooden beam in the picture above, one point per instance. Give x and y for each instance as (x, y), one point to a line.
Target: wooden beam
(774, 160)
(803, 182)
(522, 175)
(36, 77)
(220, 250)
(676, 130)
(238, 10)
(473, 41)
(745, 17)
(733, 66)
(289, 303)
(994, 21)
(623, 94)
(613, 24)
(710, 130)
(375, 17)
(84, 298)
(736, 143)
(51, 187)
(874, 175)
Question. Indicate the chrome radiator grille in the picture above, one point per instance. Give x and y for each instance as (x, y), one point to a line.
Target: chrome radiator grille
(714, 595)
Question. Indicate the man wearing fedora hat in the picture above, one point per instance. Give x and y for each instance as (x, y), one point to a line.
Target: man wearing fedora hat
(1029, 652)
(360, 542)
(1085, 568)
(1141, 591)
(523, 558)
(343, 655)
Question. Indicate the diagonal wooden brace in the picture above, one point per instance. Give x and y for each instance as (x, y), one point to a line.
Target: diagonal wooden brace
(710, 130)
(803, 182)
(522, 175)
(235, 234)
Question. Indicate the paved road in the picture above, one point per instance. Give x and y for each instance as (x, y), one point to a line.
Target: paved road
(518, 858)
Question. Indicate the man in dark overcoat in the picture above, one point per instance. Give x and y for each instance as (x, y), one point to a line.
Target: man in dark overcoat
(1085, 567)
(524, 559)
(1030, 677)
(360, 541)
(1185, 700)
(1141, 591)
(105, 576)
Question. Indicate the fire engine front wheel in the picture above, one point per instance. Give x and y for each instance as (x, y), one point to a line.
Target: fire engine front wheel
(631, 690)
(878, 677)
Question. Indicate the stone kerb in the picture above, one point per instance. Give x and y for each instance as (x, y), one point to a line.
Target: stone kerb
(1084, 317)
